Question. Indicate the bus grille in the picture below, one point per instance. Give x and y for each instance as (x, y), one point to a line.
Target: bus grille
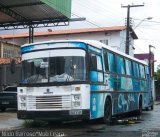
(49, 102)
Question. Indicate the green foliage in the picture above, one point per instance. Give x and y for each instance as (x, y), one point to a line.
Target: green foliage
(34, 123)
(157, 78)
(158, 75)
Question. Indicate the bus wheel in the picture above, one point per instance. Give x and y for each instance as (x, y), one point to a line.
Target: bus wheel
(140, 106)
(147, 108)
(107, 119)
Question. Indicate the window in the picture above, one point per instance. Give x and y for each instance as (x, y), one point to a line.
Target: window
(146, 69)
(136, 69)
(54, 69)
(109, 62)
(128, 67)
(96, 62)
(8, 53)
(105, 41)
(35, 70)
(147, 72)
(106, 65)
(120, 65)
(96, 74)
(142, 73)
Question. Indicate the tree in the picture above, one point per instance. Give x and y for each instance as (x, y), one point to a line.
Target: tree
(157, 77)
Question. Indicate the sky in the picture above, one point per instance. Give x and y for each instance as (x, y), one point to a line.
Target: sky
(104, 13)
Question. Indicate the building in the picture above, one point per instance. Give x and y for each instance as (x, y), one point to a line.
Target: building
(9, 50)
(112, 36)
(8, 76)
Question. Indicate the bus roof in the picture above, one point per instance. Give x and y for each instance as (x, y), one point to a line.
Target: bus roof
(94, 43)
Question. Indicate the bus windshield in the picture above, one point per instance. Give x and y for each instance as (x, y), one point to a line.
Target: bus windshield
(54, 69)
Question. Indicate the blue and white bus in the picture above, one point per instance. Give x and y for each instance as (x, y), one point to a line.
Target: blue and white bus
(80, 79)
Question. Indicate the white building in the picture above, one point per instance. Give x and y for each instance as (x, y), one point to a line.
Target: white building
(112, 36)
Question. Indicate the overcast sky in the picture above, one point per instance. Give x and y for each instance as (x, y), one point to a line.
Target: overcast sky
(104, 13)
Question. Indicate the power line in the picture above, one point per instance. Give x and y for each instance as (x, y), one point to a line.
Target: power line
(100, 11)
(152, 21)
(101, 7)
(75, 14)
(149, 27)
(150, 39)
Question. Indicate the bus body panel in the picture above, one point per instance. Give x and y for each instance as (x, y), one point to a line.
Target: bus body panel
(123, 89)
(54, 99)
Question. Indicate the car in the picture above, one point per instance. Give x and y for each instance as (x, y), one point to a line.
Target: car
(8, 98)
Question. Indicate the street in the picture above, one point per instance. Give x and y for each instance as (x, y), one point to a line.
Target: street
(146, 125)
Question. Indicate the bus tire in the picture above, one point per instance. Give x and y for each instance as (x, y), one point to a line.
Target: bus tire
(107, 119)
(147, 108)
(140, 106)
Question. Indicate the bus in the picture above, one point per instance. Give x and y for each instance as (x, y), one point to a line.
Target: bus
(80, 79)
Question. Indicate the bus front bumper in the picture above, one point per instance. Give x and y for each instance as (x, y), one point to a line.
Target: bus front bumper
(54, 115)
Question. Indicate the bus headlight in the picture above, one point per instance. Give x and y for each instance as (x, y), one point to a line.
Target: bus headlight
(76, 101)
(23, 99)
(22, 104)
(76, 97)
(76, 104)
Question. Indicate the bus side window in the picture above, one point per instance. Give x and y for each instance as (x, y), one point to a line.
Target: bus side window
(109, 62)
(142, 73)
(137, 66)
(106, 61)
(95, 62)
(120, 65)
(136, 69)
(99, 63)
(146, 70)
(96, 71)
(129, 70)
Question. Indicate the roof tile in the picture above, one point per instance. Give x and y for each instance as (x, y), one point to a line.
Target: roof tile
(63, 32)
(5, 61)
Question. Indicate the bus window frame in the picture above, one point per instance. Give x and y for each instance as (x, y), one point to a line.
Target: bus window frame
(131, 61)
(105, 54)
(101, 71)
(124, 67)
(144, 75)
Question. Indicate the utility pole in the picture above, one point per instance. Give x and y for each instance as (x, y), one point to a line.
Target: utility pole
(151, 72)
(151, 61)
(128, 25)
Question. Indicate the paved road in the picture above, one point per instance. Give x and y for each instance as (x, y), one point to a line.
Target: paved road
(8, 120)
(147, 125)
